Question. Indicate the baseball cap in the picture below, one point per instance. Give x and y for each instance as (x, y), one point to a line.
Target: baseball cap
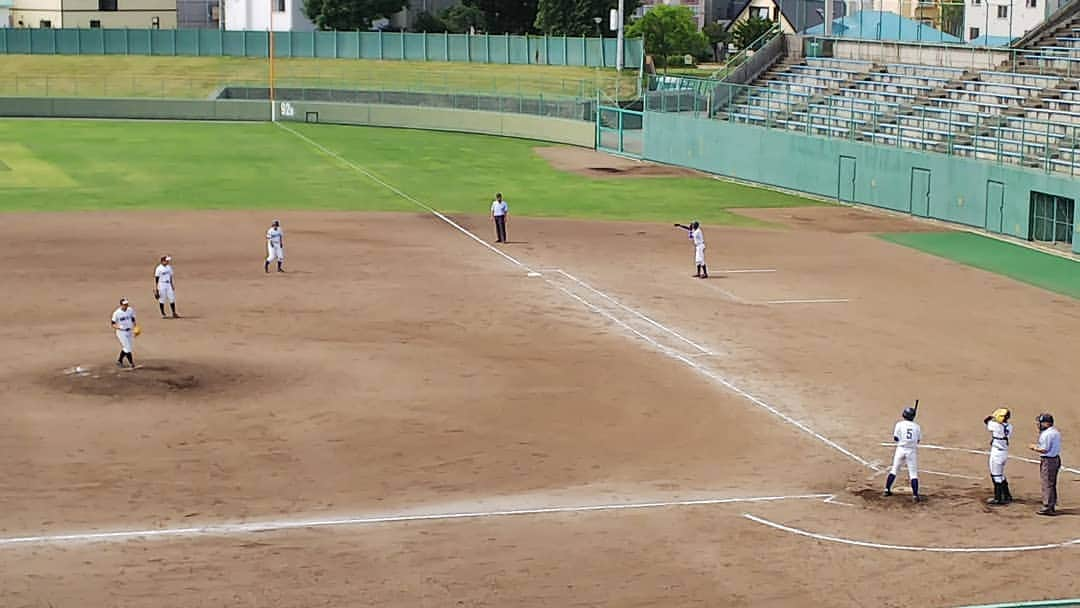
(124, 301)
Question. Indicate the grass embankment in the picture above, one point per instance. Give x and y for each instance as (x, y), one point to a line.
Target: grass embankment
(199, 77)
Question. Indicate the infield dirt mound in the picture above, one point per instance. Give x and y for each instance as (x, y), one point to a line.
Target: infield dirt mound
(159, 378)
(599, 165)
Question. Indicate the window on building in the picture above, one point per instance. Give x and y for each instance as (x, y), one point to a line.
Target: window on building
(155, 23)
(106, 5)
(1032, 3)
(973, 33)
(95, 23)
(976, 2)
(1051, 218)
(761, 12)
(279, 6)
(45, 24)
(1003, 12)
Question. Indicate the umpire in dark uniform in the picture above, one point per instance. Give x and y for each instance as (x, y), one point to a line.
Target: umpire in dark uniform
(1049, 449)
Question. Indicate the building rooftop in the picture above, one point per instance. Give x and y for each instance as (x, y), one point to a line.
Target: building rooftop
(882, 25)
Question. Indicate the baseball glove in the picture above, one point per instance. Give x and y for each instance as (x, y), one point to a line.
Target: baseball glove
(136, 331)
(156, 294)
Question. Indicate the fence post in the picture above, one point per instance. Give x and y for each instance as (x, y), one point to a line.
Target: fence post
(446, 46)
(380, 47)
(173, 42)
(127, 41)
(487, 47)
(78, 41)
(508, 47)
(565, 51)
(425, 47)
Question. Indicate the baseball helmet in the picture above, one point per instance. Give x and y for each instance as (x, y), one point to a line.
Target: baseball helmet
(694, 225)
(1001, 414)
(908, 413)
(1049, 419)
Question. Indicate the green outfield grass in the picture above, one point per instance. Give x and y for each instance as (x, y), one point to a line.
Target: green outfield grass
(1033, 267)
(199, 77)
(87, 165)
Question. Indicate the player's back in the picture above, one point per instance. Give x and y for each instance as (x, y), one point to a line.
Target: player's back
(907, 433)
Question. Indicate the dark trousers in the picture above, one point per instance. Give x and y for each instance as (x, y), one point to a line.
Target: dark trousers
(500, 228)
(1048, 473)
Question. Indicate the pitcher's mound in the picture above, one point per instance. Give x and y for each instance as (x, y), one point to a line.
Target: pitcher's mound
(153, 379)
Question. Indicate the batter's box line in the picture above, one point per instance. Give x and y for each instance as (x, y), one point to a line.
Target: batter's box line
(926, 549)
(982, 453)
(299, 524)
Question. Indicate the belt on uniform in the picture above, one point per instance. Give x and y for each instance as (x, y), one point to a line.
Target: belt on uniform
(1050, 456)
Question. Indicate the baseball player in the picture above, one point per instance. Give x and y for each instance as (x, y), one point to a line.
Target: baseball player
(695, 235)
(275, 246)
(123, 321)
(907, 435)
(163, 286)
(1000, 430)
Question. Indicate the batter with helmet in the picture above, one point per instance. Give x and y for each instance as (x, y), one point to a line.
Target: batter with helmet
(907, 434)
(1000, 431)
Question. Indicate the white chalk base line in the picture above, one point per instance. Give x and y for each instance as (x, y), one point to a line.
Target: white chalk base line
(981, 453)
(276, 526)
(811, 301)
(873, 545)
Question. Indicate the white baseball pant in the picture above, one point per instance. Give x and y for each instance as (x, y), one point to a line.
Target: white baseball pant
(274, 252)
(127, 340)
(908, 455)
(166, 295)
(699, 255)
(998, 458)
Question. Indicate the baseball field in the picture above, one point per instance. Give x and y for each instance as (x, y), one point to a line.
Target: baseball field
(414, 416)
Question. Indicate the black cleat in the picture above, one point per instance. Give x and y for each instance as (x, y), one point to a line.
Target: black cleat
(887, 493)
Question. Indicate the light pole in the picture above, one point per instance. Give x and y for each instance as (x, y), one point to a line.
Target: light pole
(597, 21)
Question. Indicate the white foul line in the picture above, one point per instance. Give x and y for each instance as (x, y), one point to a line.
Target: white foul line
(666, 351)
(632, 311)
(746, 271)
(814, 301)
(984, 453)
(274, 526)
(861, 543)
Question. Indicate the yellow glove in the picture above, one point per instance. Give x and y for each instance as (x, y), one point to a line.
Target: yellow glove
(136, 331)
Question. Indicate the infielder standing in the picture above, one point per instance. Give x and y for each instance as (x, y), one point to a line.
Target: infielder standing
(1000, 430)
(907, 435)
(123, 321)
(695, 234)
(163, 286)
(499, 212)
(275, 246)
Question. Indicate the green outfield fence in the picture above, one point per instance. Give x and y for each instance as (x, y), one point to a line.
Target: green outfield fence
(481, 48)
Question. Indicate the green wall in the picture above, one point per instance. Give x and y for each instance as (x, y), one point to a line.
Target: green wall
(484, 48)
(558, 130)
(883, 176)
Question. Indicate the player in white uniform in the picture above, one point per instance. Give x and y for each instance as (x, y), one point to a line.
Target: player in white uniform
(1000, 431)
(123, 321)
(907, 435)
(275, 246)
(163, 286)
(698, 237)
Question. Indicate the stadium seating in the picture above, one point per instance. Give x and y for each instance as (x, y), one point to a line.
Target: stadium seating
(1027, 111)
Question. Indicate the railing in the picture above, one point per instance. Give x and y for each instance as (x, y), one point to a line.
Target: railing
(732, 65)
(1039, 144)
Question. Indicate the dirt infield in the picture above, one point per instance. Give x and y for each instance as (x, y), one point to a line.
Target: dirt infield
(406, 418)
(591, 163)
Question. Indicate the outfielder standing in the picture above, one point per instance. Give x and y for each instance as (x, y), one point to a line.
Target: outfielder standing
(275, 246)
(123, 321)
(695, 234)
(907, 434)
(163, 286)
(1000, 431)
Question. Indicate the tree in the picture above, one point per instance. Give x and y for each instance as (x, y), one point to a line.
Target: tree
(577, 17)
(746, 32)
(460, 18)
(669, 30)
(349, 14)
(716, 34)
(507, 16)
(426, 22)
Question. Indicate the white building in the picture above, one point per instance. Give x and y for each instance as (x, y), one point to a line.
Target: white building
(1003, 18)
(288, 15)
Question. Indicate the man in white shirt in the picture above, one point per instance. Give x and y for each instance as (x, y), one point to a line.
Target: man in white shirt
(500, 211)
(275, 247)
(698, 237)
(1049, 448)
(1000, 431)
(163, 286)
(123, 321)
(907, 434)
